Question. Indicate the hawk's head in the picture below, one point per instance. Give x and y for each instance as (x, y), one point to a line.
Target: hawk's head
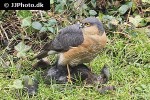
(91, 25)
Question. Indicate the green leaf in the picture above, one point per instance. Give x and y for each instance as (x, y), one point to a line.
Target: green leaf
(50, 29)
(107, 18)
(63, 2)
(21, 48)
(93, 2)
(130, 4)
(51, 1)
(147, 19)
(134, 7)
(43, 29)
(17, 84)
(52, 22)
(85, 6)
(143, 22)
(135, 21)
(78, 4)
(26, 22)
(46, 24)
(122, 10)
(138, 88)
(24, 13)
(143, 86)
(59, 8)
(37, 25)
(147, 1)
(92, 12)
(21, 54)
(101, 16)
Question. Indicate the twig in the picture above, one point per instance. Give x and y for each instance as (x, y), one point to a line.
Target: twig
(4, 32)
(147, 10)
(126, 35)
(1, 34)
(128, 14)
(41, 15)
(75, 8)
(22, 29)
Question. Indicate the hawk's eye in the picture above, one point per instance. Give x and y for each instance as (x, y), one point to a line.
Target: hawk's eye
(87, 24)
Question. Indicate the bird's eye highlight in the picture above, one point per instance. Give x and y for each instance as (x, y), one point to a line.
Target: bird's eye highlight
(87, 24)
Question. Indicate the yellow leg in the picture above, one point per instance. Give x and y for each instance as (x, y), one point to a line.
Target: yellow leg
(90, 65)
(69, 76)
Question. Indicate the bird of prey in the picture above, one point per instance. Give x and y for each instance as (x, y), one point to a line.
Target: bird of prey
(77, 43)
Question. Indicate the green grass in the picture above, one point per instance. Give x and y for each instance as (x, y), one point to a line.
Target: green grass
(128, 61)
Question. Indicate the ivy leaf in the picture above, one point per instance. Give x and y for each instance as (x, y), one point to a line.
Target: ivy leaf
(59, 8)
(78, 4)
(17, 84)
(101, 16)
(63, 2)
(50, 29)
(143, 22)
(143, 86)
(37, 25)
(43, 29)
(52, 22)
(85, 6)
(21, 48)
(130, 4)
(26, 22)
(136, 20)
(21, 54)
(51, 1)
(92, 12)
(138, 88)
(122, 10)
(24, 13)
(46, 24)
(93, 2)
(106, 18)
(147, 1)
